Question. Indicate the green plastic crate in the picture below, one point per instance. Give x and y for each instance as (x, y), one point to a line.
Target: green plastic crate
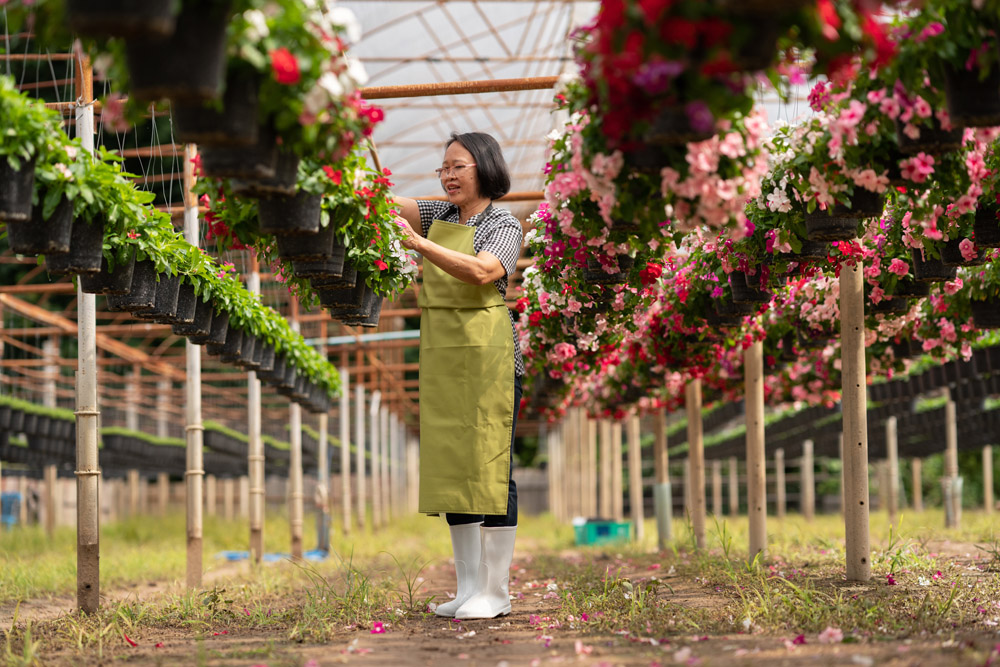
(602, 532)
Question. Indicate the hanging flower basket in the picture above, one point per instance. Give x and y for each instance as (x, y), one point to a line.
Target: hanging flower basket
(217, 333)
(810, 339)
(187, 306)
(150, 19)
(85, 250)
(264, 357)
(235, 124)
(810, 251)
(190, 65)
(43, 237)
(248, 352)
(141, 293)
(973, 101)
(932, 140)
(930, 270)
(986, 314)
(828, 228)
(743, 292)
(257, 161)
(903, 349)
(309, 247)
(369, 314)
(911, 289)
(110, 282)
(986, 229)
(284, 215)
(729, 313)
(229, 351)
(286, 170)
(330, 267)
(788, 348)
(347, 279)
(353, 304)
(287, 381)
(319, 401)
(165, 301)
(951, 255)
(16, 188)
(895, 305)
(270, 373)
(595, 274)
(201, 322)
(672, 127)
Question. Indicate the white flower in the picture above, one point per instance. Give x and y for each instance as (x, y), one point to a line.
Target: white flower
(346, 19)
(64, 170)
(356, 72)
(316, 100)
(71, 152)
(258, 24)
(330, 83)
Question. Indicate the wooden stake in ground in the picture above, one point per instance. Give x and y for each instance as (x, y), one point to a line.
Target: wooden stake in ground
(360, 468)
(51, 477)
(917, 473)
(779, 483)
(375, 435)
(162, 493)
(663, 503)
(344, 417)
(211, 494)
(244, 484)
(591, 464)
(617, 499)
(892, 453)
(696, 458)
(843, 481)
(753, 368)
(988, 479)
(607, 503)
(228, 498)
(88, 504)
(386, 439)
(951, 483)
(295, 509)
(255, 454)
(635, 478)
(734, 486)
(853, 401)
(808, 483)
(717, 487)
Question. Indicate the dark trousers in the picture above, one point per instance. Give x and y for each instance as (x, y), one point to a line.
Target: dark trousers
(498, 520)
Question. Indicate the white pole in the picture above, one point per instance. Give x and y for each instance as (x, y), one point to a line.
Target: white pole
(345, 450)
(385, 448)
(892, 452)
(395, 507)
(255, 454)
(607, 509)
(753, 366)
(162, 401)
(376, 458)
(717, 487)
(635, 478)
(359, 442)
(854, 402)
(295, 508)
(662, 497)
(696, 458)
(916, 469)
(808, 484)
(211, 494)
(413, 470)
(244, 484)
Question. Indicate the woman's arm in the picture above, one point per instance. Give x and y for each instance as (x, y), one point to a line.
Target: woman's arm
(408, 209)
(480, 269)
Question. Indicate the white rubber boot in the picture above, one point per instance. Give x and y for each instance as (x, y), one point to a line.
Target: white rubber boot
(466, 542)
(493, 597)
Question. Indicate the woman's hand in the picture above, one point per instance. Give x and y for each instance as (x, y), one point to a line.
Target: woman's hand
(410, 237)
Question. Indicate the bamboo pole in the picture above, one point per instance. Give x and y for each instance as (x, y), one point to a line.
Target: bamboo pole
(616, 471)
(717, 487)
(854, 402)
(162, 493)
(988, 479)
(295, 508)
(359, 442)
(916, 470)
(635, 478)
(88, 508)
(734, 486)
(385, 447)
(779, 483)
(344, 419)
(607, 509)
(51, 477)
(392, 497)
(808, 484)
(459, 87)
(244, 484)
(892, 452)
(662, 497)
(951, 483)
(753, 365)
(255, 453)
(696, 457)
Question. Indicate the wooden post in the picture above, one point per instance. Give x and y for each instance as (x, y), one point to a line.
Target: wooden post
(569, 477)
(211, 495)
(162, 493)
(344, 417)
(843, 481)
(228, 498)
(591, 465)
(375, 433)
(359, 442)
(132, 398)
(162, 401)
(559, 472)
(51, 477)
(323, 486)
(696, 458)
(917, 472)
(607, 509)
(383, 417)
(717, 487)
(734, 486)
(808, 483)
(635, 478)
(547, 435)
(951, 483)
(779, 483)
(295, 502)
(413, 470)
(662, 497)
(133, 493)
(392, 426)
(892, 453)
(753, 366)
(617, 498)
(244, 483)
(22, 490)
(255, 454)
(988, 479)
(88, 503)
(855, 409)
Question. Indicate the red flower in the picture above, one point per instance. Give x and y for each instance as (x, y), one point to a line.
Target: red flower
(335, 176)
(382, 266)
(681, 31)
(522, 304)
(651, 273)
(535, 318)
(285, 67)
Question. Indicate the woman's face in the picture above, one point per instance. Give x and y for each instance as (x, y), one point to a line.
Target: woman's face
(458, 177)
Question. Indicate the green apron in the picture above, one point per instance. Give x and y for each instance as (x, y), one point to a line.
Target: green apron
(466, 388)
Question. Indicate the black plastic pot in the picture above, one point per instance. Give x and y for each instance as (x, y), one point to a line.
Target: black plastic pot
(911, 289)
(247, 352)
(4, 417)
(343, 301)
(142, 292)
(902, 349)
(930, 270)
(165, 300)
(16, 421)
(230, 352)
(287, 381)
(85, 254)
(331, 267)
(743, 292)
(190, 64)
(318, 401)
(107, 281)
(788, 348)
(217, 334)
(235, 124)
(300, 392)
(39, 236)
(254, 161)
(275, 372)
(727, 313)
(932, 140)
(286, 169)
(150, 19)
(986, 229)
(895, 305)
(16, 188)
(810, 251)
(672, 127)
(187, 306)
(308, 247)
(369, 315)
(595, 274)
(973, 101)
(985, 314)
(828, 228)
(812, 340)
(347, 279)
(264, 359)
(298, 214)
(951, 255)
(201, 324)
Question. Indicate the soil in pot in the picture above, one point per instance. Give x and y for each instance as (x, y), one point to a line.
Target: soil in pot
(298, 214)
(286, 170)
(595, 274)
(308, 247)
(951, 255)
(932, 140)
(190, 64)
(39, 236)
(165, 301)
(973, 101)
(985, 314)
(218, 332)
(986, 229)
(201, 324)
(929, 270)
(142, 291)
(107, 281)
(235, 124)
(187, 306)
(16, 189)
(85, 254)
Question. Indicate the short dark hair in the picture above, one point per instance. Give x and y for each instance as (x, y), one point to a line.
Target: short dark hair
(494, 178)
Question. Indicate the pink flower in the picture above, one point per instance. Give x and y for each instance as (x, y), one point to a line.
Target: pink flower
(968, 250)
(831, 636)
(285, 67)
(899, 267)
(798, 641)
(890, 580)
(952, 287)
(378, 628)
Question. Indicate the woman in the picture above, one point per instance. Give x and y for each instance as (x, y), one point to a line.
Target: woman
(470, 368)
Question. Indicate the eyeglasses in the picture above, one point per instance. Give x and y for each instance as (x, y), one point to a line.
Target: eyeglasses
(456, 171)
